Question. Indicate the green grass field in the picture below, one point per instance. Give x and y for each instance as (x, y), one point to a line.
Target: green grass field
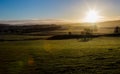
(97, 56)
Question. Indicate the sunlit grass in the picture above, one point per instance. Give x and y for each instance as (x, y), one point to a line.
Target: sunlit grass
(60, 56)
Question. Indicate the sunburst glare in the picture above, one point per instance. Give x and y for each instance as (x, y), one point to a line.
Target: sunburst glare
(92, 16)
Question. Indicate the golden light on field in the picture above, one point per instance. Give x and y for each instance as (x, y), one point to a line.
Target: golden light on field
(92, 16)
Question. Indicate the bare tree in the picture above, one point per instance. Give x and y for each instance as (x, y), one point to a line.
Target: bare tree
(117, 30)
(87, 34)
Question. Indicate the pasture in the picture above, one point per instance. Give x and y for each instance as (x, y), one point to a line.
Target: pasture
(98, 56)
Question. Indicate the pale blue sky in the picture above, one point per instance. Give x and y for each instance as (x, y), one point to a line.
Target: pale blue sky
(56, 9)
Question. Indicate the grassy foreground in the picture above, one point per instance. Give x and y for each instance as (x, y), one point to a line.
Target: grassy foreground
(98, 56)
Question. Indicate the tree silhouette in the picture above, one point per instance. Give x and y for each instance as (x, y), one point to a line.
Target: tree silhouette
(117, 30)
(87, 34)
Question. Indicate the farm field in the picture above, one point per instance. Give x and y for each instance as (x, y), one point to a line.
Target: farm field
(98, 56)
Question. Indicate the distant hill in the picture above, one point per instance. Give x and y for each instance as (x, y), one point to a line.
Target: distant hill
(60, 27)
(110, 23)
(24, 29)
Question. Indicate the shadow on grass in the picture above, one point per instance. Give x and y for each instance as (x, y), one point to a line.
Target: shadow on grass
(29, 39)
(78, 37)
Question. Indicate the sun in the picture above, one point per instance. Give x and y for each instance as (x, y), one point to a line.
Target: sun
(92, 16)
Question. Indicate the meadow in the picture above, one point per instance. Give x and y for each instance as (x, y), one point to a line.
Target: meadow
(71, 56)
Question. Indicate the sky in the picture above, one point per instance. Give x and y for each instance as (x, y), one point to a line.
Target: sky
(57, 9)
